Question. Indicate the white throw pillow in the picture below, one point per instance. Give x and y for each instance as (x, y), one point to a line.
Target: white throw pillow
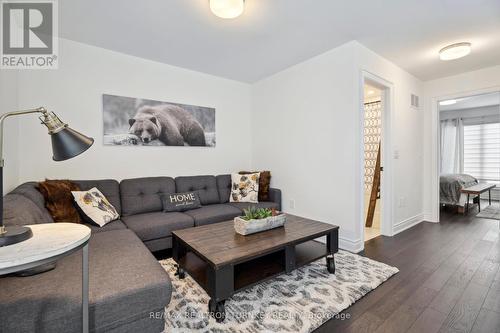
(244, 188)
(95, 205)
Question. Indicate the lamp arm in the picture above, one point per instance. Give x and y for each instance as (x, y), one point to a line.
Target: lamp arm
(15, 113)
(2, 118)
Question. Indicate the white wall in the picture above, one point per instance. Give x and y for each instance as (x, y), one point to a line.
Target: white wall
(74, 92)
(8, 102)
(480, 81)
(306, 123)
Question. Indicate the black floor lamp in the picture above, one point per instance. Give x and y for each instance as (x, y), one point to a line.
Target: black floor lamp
(66, 143)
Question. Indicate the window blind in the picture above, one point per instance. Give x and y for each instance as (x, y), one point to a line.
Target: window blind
(482, 153)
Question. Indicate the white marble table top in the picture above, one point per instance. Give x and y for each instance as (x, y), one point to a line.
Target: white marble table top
(48, 240)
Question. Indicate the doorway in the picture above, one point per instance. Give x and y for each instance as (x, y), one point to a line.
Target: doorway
(381, 91)
(372, 138)
(436, 105)
(469, 154)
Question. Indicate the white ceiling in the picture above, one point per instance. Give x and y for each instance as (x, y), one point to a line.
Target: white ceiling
(470, 102)
(274, 34)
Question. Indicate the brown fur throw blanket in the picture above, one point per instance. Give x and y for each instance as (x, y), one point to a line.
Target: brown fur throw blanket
(59, 200)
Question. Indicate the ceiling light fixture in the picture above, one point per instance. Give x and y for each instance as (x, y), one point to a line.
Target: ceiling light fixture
(371, 92)
(448, 102)
(227, 9)
(455, 51)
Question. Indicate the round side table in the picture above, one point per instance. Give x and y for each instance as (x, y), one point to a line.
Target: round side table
(50, 242)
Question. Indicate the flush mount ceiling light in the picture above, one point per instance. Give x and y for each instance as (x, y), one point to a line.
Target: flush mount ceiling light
(227, 9)
(455, 51)
(448, 102)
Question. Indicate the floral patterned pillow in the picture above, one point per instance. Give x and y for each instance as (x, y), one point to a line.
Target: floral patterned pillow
(244, 188)
(95, 206)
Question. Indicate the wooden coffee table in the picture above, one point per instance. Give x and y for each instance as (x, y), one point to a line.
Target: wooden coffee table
(223, 262)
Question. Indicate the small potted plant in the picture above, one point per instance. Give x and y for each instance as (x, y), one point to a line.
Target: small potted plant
(258, 219)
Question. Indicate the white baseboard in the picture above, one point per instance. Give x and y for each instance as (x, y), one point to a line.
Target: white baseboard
(350, 245)
(408, 223)
(430, 218)
(356, 246)
(347, 244)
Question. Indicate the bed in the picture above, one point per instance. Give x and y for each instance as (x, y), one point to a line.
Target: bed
(450, 186)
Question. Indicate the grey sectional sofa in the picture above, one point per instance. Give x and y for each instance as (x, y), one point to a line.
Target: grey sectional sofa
(128, 287)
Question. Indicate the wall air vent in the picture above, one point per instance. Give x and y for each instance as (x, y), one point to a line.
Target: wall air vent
(415, 101)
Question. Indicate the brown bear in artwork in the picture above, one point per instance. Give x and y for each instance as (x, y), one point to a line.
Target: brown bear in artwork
(170, 124)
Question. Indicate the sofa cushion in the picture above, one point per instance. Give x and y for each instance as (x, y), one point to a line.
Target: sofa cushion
(126, 284)
(143, 195)
(159, 244)
(206, 186)
(156, 225)
(109, 187)
(114, 225)
(246, 205)
(19, 210)
(213, 214)
(224, 187)
(275, 196)
(30, 191)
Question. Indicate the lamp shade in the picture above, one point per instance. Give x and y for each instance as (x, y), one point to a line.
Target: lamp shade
(68, 143)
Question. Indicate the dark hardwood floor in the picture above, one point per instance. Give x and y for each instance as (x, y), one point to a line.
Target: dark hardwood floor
(449, 280)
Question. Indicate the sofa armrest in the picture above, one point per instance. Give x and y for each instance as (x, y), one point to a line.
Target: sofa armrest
(275, 196)
(19, 210)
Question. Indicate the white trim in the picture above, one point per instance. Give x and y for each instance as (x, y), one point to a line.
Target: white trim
(428, 218)
(346, 244)
(353, 246)
(386, 223)
(408, 223)
(435, 143)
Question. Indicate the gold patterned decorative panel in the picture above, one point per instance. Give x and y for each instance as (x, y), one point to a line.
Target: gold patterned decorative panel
(372, 131)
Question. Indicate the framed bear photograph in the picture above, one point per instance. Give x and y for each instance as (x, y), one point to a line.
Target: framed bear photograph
(132, 121)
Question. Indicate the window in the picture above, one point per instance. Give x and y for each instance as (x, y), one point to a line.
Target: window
(482, 151)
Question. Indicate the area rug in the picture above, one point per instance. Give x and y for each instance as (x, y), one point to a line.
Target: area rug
(490, 212)
(297, 302)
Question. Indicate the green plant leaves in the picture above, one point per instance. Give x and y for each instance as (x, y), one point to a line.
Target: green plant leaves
(253, 213)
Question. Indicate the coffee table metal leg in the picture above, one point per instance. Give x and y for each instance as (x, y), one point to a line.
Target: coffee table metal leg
(332, 244)
(85, 289)
(489, 197)
(178, 250)
(220, 288)
(479, 202)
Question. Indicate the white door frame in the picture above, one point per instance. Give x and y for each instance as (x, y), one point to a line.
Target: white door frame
(386, 189)
(436, 142)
